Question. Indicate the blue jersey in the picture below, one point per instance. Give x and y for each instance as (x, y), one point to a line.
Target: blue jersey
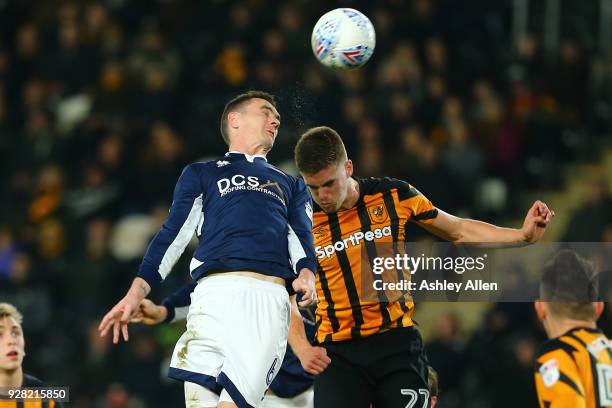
(247, 214)
(291, 379)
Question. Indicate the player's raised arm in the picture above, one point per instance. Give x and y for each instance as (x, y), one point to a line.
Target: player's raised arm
(301, 243)
(169, 243)
(162, 253)
(458, 229)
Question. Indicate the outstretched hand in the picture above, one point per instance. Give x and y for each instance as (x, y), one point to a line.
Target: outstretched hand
(536, 220)
(119, 316)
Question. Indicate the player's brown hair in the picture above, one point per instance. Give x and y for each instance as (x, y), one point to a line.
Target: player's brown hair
(237, 103)
(319, 148)
(8, 310)
(569, 286)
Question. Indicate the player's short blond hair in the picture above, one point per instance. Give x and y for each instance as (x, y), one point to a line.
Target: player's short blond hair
(8, 310)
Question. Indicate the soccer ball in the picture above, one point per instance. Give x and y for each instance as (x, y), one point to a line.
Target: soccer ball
(343, 39)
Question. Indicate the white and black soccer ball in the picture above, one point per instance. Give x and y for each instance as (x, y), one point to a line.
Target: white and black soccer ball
(343, 38)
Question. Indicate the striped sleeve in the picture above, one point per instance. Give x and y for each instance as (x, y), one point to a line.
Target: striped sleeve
(300, 239)
(173, 237)
(421, 209)
(558, 382)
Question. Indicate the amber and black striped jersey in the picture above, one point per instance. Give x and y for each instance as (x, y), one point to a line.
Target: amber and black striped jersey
(29, 382)
(575, 371)
(384, 207)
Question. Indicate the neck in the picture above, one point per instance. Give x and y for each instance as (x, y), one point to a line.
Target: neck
(557, 328)
(352, 196)
(11, 378)
(251, 150)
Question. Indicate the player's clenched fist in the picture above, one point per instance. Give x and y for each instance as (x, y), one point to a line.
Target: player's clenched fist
(305, 284)
(314, 359)
(536, 220)
(149, 313)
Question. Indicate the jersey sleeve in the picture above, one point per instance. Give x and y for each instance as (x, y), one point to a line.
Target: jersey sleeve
(420, 208)
(173, 237)
(300, 239)
(178, 303)
(557, 381)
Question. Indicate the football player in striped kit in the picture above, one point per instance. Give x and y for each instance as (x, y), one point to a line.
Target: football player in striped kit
(573, 368)
(12, 352)
(376, 353)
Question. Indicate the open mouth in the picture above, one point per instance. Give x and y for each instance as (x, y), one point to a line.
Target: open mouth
(12, 354)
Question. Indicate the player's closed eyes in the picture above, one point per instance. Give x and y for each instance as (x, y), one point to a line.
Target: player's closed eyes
(326, 185)
(270, 113)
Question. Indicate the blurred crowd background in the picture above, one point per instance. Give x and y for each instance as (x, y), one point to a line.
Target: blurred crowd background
(482, 105)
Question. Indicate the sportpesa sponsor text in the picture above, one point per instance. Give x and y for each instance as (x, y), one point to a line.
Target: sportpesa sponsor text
(355, 239)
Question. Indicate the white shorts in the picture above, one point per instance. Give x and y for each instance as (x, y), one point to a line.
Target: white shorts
(236, 337)
(303, 400)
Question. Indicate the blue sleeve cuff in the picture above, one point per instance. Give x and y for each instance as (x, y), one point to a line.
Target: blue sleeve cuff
(151, 276)
(306, 263)
(170, 308)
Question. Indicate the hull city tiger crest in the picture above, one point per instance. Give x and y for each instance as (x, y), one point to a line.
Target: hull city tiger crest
(378, 213)
(321, 232)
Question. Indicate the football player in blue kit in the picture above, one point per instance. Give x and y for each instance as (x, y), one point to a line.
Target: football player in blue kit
(253, 223)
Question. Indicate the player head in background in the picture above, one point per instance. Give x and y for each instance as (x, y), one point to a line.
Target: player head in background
(12, 346)
(250, 122)
(568, 293)
(321, 158)
(432, 383)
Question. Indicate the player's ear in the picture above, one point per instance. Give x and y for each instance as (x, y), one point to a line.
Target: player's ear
(233, 119)
(348, 166)
(599, 308)
(540, 309)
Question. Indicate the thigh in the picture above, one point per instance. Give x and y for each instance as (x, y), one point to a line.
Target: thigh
(342, 385)
(198, 355)
(255, 340)
(400, 370)
(303, 400)
(401, 389)
(196, 396)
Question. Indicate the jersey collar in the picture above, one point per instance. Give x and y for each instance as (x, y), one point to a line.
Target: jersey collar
(239, 155)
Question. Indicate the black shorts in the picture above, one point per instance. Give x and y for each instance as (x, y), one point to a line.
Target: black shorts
(388, 370)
